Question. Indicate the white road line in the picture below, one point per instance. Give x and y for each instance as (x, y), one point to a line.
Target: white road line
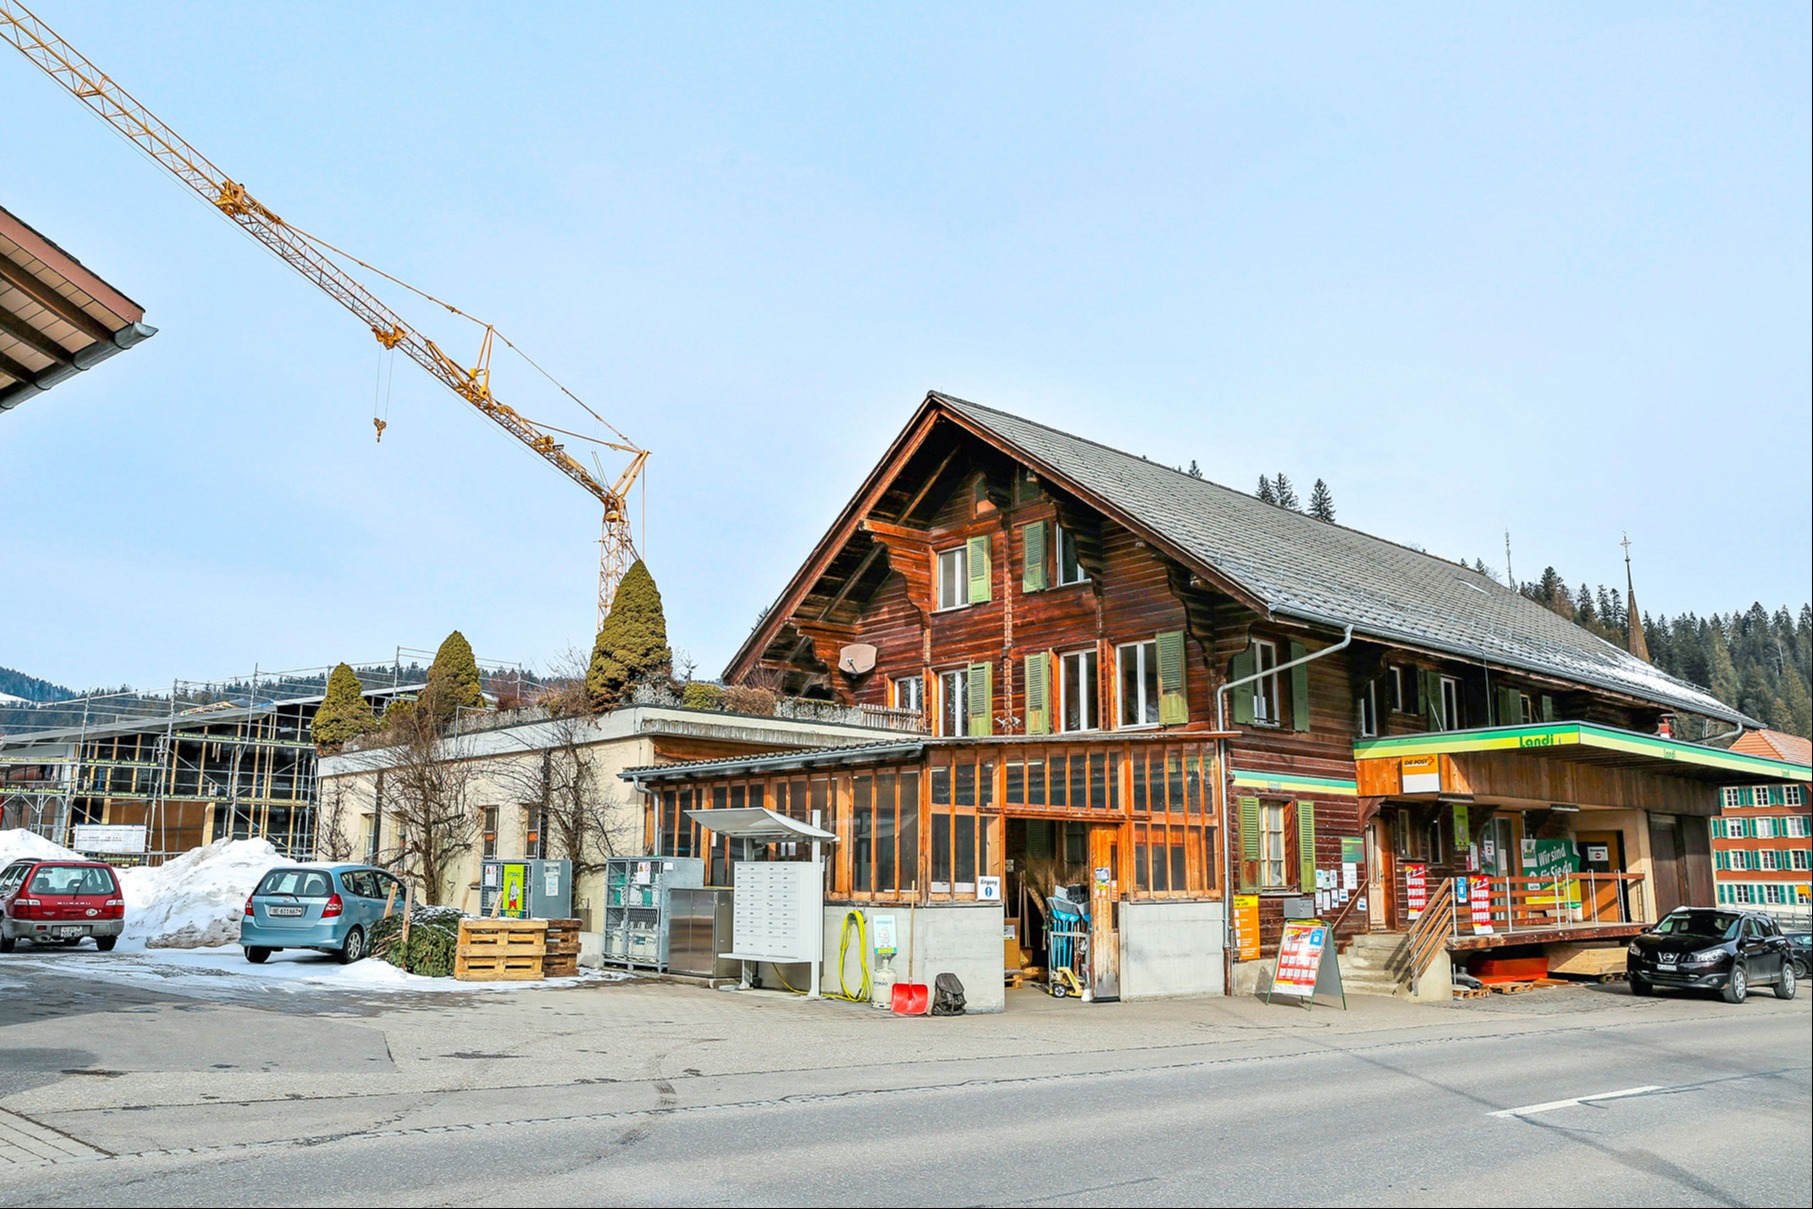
(1532, 1109)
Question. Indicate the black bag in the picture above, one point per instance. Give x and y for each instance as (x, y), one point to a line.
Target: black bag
(947, 996)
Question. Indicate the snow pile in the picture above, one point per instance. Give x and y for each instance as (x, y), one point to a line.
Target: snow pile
(194, 901)
(19, 844)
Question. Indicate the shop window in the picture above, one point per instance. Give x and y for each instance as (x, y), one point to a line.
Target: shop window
(1077, 687)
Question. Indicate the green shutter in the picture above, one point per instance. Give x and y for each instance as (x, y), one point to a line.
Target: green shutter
(1249, 841)
(1510, 707)
(979, 578)
(1432, 698)
(1240, 669)
(1173, 681)
(1548, 708)
(1038, 694)
(1306, 847)
(1299, 688)
(1032, 575)
(981, 699)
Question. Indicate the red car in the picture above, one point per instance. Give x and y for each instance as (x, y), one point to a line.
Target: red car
(60, 902)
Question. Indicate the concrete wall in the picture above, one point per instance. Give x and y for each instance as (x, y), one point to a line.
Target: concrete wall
(959, 938)
(1170, 948)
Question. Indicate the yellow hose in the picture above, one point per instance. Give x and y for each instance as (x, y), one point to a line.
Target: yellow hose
(843, 960)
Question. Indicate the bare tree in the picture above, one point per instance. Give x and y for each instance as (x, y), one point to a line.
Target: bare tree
(585, 818)
(427, 795)
(332, 842)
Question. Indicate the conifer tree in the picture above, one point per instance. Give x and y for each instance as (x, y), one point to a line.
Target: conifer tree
(1322, 502)
(1265, 493)
(344, 713)
(1194, 471)
(632, 644)
(453, 681)
(1287, 495)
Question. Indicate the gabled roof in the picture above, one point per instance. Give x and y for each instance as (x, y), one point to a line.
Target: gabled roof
(1775, 745)
(1290, 565)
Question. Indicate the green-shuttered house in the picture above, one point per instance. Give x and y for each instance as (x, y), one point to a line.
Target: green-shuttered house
(1201, 715)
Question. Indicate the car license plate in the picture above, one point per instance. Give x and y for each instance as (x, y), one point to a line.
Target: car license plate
(70, 930)
(284, 911)
(1666, 965)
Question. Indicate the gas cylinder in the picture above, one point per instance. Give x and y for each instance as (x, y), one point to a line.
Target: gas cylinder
(881, 983)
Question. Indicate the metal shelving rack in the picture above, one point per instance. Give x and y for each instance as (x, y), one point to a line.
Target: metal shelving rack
(636, 906)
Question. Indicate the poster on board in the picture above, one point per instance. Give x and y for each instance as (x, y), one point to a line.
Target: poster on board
(1479, 903)
(1246, 927)
(1307, 965)
(1416, 889)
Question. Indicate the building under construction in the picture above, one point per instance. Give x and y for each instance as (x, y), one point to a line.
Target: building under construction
(210, 760)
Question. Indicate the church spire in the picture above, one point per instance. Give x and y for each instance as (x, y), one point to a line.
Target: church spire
(1639, 646)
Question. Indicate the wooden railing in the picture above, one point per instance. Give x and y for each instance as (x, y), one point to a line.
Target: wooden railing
(1432, 930)
(1548, 904)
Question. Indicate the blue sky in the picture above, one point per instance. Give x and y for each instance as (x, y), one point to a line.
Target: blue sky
(1543, 268)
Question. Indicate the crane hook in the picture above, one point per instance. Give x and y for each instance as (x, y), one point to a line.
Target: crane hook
(380, 425)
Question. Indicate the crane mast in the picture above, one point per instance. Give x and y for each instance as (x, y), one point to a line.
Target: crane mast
(319, 262)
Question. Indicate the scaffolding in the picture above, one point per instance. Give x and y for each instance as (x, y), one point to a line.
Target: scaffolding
(212, 759)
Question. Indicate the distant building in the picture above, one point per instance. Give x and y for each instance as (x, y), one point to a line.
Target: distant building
(1762, 841)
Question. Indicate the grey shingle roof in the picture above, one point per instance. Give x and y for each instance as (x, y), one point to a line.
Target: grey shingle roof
(1304, 568)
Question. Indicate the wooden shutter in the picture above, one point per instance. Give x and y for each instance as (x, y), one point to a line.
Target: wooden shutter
(1431, 683)
(1548, 708)
(1510, 707)
(1299, 689)
(979, 578)
(981, 698)
(1239, 669)
(1249, 843)
(1038, 693)
(1173, 686)
(1032, 575)
(1306, 847)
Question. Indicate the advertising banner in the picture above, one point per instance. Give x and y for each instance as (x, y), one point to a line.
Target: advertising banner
(1246, 927)
(1416, 889)
(1479, 902)
(1300, 958)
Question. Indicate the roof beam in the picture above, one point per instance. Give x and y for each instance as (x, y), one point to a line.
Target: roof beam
(36, 340)
(14, 369)
(53, 302)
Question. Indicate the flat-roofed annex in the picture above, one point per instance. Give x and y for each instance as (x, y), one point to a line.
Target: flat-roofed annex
(56, 317)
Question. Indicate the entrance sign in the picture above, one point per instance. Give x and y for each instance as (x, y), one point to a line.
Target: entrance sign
(1416, 889)
(1306, 963)
(1246, 927)
(1353, 850)
(1479, 895)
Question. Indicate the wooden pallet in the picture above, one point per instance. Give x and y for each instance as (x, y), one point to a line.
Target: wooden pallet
(560, 956)
(1587, 961)
(1472, 992)
(1518, 988)
(500, 950)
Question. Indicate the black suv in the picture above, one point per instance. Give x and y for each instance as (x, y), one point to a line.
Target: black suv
(1712, 949)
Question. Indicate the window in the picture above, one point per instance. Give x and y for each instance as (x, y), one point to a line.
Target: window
(909, 693)
(1369, 710)
(1529, 707)
(1451, 713)
(1400, 685)
(953, 578)
(1272, 864)
(1411, 842)
(953, 709)
(1766, 859)
(884, 833)
(1077, 684)
(1796, 827)
(1266, 710)
(534, 839)
(1793, 795)
(1138, 679)
(490, 831)
(1765, 828)
(1069, 570)
(1797, 859)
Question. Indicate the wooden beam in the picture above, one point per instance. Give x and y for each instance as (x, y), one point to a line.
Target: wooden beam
(53, 302)
(34, 339)
(862, 568)
(926, 487)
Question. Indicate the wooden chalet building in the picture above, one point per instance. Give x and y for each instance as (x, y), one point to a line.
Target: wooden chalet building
(1175, 695)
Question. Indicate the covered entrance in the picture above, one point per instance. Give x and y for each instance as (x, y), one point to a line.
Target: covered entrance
(1063, 913)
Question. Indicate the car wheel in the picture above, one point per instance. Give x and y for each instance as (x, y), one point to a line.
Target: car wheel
(1737, 986)
(354, 947)
(1641, 986)
(1787, 984)
(105, 943)
(1802, 968)
(257, 954)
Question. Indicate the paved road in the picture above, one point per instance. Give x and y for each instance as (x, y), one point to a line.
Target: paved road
(650, 1093)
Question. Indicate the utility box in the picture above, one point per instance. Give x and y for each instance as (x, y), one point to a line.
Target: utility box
(637, 906)
(531, 888)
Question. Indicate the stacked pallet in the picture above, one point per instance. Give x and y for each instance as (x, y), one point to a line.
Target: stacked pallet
(500, 950)
(560, 956)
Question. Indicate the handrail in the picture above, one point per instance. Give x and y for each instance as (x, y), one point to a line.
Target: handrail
(1430, 933)
(1353, 899)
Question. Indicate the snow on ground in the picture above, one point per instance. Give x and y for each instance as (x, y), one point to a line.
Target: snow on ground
(20, 844)
(195, 900)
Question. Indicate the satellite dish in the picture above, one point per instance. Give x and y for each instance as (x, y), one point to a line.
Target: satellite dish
(855, 659)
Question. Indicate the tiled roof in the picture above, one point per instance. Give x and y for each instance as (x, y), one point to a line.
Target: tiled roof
(1312, 570)
(1775, 745)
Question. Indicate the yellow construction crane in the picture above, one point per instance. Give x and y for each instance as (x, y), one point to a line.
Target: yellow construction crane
(321, 263)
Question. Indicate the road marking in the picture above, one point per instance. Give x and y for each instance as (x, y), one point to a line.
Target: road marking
(24, 1141)
(1532, 1109)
